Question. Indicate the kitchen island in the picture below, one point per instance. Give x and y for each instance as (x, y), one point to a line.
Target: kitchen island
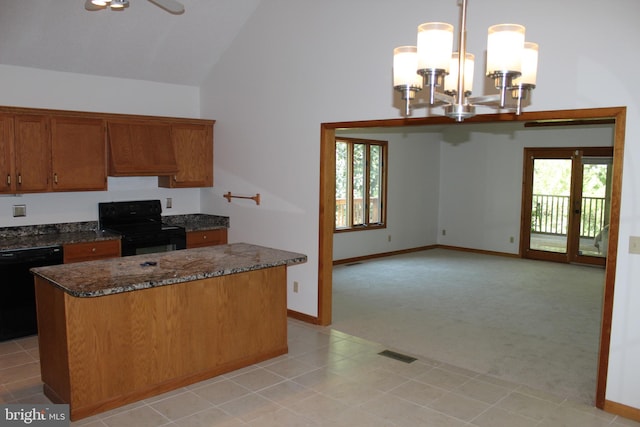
(115, 331)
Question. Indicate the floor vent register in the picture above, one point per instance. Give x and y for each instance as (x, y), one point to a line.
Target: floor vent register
(397, 356)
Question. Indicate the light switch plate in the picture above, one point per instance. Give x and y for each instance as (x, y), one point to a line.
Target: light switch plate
(19, 210)
(634, 245)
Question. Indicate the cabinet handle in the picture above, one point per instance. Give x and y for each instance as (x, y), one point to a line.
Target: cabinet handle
(93, 249)
(19, 179)
(8, 179)
(55, 178)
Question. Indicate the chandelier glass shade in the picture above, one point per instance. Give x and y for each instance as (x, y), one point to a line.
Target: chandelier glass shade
(447, 76)
(111, 4)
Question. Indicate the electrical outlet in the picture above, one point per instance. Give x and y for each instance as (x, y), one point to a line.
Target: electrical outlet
(389, 238)
(169, 202)
(295, 286)
(444, 232)
(19, 210)
(512, 239)
(634, 245)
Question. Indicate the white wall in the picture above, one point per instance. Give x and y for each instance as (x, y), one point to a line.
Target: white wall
(412, 201)
(468, 180)
(299, 63)
(28, 87)
(481, 179)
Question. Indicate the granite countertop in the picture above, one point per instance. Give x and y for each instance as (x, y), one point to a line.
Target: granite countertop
(195, 222)
(43, 240)
(105, 277)
(35, 236)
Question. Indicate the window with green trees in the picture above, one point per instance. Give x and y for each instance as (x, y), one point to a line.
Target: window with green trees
(360, 184)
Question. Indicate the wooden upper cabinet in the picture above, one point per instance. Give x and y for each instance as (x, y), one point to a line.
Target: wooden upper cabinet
(140, 149)
(42, 153)
(193, 149)
(32, 147)
(7, 157)
(53, 150)
(78, 154)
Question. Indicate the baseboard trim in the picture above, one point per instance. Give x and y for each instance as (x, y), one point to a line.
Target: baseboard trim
(422, 248)
(622, 410)
(302, 317)
(382, 255)
(478, 251)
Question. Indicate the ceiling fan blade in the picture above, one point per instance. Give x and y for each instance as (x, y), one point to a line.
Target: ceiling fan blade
(171, 6)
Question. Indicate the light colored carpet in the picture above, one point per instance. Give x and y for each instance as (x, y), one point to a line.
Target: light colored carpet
(530, 322)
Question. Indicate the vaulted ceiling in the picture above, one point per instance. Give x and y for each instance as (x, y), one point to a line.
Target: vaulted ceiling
(143, 42)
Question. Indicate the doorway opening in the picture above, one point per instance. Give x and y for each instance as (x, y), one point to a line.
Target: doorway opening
(327, 204)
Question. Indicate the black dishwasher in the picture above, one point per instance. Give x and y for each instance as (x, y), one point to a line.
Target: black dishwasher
(18, 302)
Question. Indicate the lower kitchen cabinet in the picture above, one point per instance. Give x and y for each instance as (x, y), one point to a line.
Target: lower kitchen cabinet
(101, 353)
(90, 251)
(201, 238)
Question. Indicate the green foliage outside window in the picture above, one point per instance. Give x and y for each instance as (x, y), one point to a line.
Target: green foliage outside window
(359, 183)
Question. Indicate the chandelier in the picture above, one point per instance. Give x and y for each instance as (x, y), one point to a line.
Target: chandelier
(447, 76)
(172, 6)
(103, 4)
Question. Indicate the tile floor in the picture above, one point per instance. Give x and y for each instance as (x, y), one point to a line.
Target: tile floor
(328, 379)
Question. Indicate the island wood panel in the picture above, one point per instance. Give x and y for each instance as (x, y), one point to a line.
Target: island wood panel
(103, 352)
(52, 338)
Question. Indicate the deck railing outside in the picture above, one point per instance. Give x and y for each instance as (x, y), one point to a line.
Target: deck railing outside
(341, 211)
(550, 215)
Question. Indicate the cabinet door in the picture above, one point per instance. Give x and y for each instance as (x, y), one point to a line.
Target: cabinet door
(7, 177)
(78, 154)
(199, 239)
(90, 251)
(140, 149)
(32, 153)
(193, 147)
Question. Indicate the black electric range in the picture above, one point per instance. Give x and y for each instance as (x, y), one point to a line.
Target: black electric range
(139, 222)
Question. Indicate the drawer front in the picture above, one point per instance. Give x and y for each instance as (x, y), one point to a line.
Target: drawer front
(198, 239)
(88, 251)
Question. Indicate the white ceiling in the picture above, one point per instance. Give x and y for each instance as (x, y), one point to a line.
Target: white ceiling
(144, 42)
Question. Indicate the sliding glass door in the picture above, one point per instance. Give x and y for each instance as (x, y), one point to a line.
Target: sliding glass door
(566, 204)
(595, 206)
